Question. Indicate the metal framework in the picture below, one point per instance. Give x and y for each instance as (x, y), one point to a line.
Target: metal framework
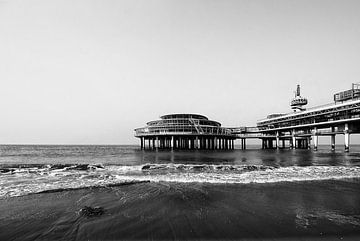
(301, 128)
(323, 116)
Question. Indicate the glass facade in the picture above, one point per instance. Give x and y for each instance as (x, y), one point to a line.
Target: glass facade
(182, 124)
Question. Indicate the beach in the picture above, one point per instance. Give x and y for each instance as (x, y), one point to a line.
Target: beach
(171, 211)
(124, 193)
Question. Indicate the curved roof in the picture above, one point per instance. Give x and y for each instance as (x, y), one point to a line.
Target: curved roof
(193, 116)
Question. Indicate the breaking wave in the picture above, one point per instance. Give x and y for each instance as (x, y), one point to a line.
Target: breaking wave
(26, 179)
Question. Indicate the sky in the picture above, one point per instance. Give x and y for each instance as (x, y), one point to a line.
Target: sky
(91, 71)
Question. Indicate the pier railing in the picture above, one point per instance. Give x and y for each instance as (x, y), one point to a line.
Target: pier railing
(188, 130)
(244, 129)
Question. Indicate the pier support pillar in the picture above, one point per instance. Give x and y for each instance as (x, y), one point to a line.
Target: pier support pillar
(157, 142)
(293, 139)
(172, 142)
(347, 142)
(270, 143)
(316, 139)
(347, 137)
(333, 142)
(333, 139)
(277, 140)
(142, 142)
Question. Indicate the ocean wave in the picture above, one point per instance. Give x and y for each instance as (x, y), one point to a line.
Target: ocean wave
(204, 167)
(26, 179)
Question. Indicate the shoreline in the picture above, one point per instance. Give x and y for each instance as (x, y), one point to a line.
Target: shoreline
(163, 211)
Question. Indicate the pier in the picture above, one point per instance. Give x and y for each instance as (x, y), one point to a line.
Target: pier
(300, 128)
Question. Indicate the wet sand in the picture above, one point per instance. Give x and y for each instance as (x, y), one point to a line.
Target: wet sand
(320, 210)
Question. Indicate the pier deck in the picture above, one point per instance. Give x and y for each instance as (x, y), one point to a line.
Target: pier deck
(300, 128)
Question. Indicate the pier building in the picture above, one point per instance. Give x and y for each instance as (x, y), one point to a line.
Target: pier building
(185, 131)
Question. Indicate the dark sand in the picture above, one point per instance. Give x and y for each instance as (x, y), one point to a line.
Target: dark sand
(326, 210)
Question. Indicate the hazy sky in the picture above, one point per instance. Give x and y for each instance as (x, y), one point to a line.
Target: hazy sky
(89, 72)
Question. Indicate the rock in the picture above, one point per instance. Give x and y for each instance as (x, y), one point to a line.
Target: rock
(81, 167)
(146, 167)
(5, 170)
(198, 167)
(58, 166)
(251, 168)
(91, 211)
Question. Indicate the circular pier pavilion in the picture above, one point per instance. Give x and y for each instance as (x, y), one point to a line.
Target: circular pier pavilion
(185, 131)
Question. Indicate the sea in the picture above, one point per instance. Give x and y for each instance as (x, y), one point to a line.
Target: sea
(250, 194)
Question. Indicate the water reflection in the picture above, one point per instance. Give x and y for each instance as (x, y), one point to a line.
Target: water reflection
(276, 158)
(132, 155)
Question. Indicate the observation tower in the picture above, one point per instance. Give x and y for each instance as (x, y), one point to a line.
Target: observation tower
(298, 102)
(185, 131)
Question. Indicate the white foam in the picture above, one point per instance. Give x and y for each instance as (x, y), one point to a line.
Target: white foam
(32, 180)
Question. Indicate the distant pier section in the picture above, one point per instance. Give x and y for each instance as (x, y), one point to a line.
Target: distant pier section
(300, 128)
